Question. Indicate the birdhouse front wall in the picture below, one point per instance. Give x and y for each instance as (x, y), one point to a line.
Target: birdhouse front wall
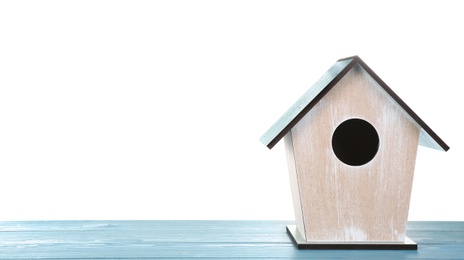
(336, 201)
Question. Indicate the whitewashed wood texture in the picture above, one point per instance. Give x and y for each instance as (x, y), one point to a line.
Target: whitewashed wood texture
(353, 203)
(297, 108)
(297, 207)
(200, 240)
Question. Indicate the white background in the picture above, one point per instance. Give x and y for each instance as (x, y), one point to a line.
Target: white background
(154, 109)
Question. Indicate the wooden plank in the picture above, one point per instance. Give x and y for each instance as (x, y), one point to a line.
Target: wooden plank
(200, 240)
(301, 243)
(294, 185)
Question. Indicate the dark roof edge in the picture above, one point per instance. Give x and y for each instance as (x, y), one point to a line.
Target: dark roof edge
(355, 57)
(401, 103)
(311, 104)
(356, 60)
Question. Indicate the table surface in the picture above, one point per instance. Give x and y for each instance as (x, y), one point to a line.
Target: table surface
(201, 240)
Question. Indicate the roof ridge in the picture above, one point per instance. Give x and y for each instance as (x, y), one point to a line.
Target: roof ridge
(319, 89)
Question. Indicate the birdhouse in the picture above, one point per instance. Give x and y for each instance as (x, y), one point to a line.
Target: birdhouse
(351, 146)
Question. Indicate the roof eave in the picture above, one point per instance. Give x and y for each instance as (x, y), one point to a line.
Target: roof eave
(354, 60)
(403, 105)
(307, 108)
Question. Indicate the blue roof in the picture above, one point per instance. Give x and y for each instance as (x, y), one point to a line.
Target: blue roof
(322, 86)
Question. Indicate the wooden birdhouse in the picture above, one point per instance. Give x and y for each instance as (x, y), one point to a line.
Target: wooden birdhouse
(351, 146)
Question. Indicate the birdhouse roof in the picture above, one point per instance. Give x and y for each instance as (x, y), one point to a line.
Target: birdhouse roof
(427, 136)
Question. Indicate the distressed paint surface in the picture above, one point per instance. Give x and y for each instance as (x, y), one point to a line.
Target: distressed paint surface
(303, 101)
(294, 185)
(427, 136)
(355, 203)
(200, 240)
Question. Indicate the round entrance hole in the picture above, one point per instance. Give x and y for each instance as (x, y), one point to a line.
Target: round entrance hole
(355, 142)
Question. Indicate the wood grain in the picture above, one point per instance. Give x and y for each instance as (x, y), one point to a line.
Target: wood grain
(355, 203)
(200, 240)
(323, 86)
(294, 185)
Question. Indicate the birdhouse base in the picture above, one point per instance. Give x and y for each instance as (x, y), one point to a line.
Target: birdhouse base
(301, 243)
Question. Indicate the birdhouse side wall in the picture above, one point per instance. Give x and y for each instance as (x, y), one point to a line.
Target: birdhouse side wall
(294, 184)
(340, 202)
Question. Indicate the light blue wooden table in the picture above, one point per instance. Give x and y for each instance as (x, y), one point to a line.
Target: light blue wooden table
(201, 240)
